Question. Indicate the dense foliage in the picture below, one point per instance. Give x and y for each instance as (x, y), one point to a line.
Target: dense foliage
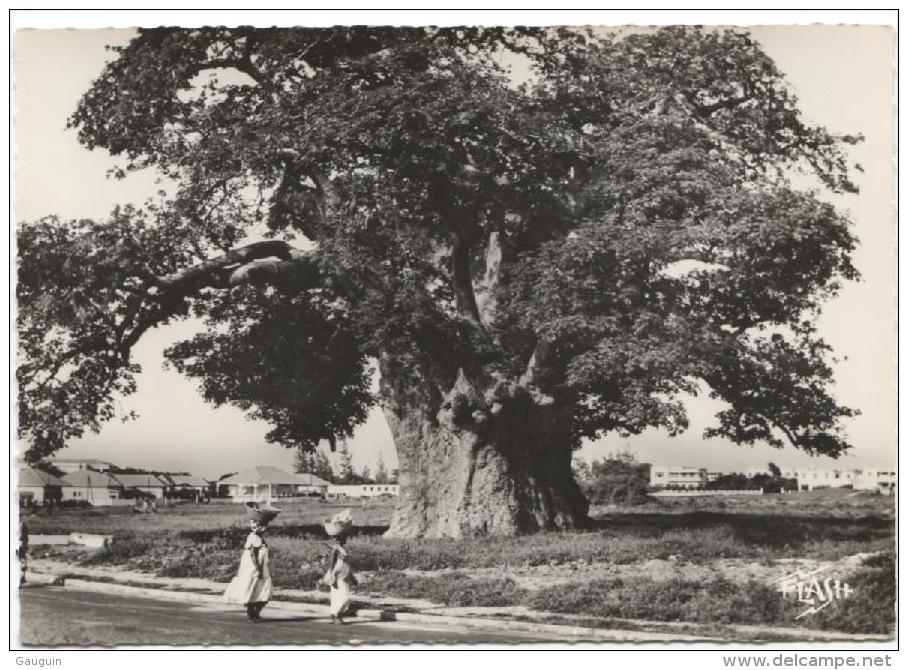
(615, 480)
(606, 217)
(736, 481)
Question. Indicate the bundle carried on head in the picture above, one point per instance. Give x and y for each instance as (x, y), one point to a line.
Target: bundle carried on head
(261, 513)
(340, 524)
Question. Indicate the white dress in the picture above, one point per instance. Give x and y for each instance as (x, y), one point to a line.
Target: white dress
(340, 577)
(247, 587)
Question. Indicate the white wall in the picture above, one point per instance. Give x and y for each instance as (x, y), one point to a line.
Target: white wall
(96, 496)
(362, 490)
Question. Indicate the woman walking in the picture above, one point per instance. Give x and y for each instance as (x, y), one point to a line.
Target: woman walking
(252, 585)
(340, 575)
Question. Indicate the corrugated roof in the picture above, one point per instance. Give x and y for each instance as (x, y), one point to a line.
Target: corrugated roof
(166, 479)
(91, 479)
(32, 477)
(262, 474)
(147, 480)
(188, 480)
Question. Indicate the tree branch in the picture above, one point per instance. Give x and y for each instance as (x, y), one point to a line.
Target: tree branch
(272, 262)
(227, 270)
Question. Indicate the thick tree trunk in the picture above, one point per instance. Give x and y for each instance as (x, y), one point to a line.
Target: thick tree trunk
(480, 459)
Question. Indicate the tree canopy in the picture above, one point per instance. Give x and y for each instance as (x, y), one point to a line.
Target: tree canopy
(607, 217)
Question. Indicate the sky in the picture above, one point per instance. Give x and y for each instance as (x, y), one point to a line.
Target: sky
(843, 77)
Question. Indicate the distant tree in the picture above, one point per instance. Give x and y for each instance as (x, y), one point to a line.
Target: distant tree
(321, 466)
(776, 483)
(313, 462)
(300, 461)
(740, 482)
(367, 475)
(381, 472)
(614, 481)
(625, 455)
(581, 470)
(346, 473)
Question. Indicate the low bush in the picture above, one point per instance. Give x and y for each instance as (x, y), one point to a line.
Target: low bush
(871, 608)
(204, 541)
(449, 588)
(74, 504)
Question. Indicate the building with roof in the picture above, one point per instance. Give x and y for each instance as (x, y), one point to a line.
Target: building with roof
(362, 490)
(863, 479)
(870, 479)
(309, 484)
(95, 488)
(74, 464)
(36, 487)
(825, 478)
(678, 477)
(148, 483)
(808, 479)
(189, 483)
(261, 482)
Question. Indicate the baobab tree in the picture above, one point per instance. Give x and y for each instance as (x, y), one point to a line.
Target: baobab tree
(535, 235)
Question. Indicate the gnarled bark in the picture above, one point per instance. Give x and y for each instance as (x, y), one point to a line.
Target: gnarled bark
(484, 458)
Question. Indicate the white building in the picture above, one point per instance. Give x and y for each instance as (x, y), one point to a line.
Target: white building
(825, 478)
(265, 482)
(147, 483)
(309, 484)
(36, 486)
(875, 480)
(193, 483)
(362, 490)
(678, 476)
(686, 477)
(95, 488)
(75, 464)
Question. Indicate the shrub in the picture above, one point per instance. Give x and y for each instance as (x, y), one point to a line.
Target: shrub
(617, 481)
(75, 504)
(449, 588)
(871, 606)
(714, 601)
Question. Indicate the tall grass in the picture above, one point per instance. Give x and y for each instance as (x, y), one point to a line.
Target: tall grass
(694, 539)
(871, 608)
(206, 541)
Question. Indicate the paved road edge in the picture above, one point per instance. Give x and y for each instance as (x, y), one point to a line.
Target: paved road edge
(567, 631)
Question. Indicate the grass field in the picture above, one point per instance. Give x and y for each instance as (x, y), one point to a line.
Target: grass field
(709, 561)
